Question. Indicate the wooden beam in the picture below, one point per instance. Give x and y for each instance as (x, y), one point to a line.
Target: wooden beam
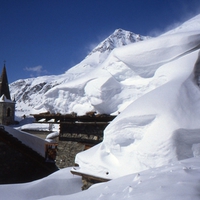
(90, 177)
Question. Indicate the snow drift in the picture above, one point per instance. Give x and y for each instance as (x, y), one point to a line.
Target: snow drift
(162, 125)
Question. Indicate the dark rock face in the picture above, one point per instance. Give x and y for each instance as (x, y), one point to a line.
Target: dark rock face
(18, 168)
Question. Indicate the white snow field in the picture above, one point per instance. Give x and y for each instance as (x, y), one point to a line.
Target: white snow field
(152, 148)
(177, 181)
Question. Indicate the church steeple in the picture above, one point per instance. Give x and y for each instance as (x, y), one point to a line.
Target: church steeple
(4, 87)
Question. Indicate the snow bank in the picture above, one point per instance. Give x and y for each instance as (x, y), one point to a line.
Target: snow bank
(162, 124)
(60, 183)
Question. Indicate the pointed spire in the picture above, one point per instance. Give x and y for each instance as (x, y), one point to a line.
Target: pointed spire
(4, 87)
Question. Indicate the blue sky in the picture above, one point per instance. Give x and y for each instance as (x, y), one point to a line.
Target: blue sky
(47, 37)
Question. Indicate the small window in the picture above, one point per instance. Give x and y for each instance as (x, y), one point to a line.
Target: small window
(8, 112)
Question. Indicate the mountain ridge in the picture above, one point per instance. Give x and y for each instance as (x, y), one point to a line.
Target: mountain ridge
(29, 93)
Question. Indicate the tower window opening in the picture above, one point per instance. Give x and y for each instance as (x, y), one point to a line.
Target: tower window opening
(8, 112)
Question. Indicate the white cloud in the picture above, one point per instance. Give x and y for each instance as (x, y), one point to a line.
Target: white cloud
(37, 70)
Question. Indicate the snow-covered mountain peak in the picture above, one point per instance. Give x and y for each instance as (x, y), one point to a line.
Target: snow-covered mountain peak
(101, 52)
(127, 35)
(118, 38)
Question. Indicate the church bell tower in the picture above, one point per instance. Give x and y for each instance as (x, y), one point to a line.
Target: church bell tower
(7, 106)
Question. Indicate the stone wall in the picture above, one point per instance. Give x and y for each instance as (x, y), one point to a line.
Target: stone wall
(67, 151)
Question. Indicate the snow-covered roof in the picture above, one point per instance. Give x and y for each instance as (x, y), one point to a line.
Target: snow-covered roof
(4, 99)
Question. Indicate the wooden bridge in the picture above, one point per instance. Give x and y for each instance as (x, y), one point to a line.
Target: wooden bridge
(85, 129)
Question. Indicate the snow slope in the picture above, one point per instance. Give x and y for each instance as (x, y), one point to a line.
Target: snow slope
(60, 183)
(179, 180)
(162, 125)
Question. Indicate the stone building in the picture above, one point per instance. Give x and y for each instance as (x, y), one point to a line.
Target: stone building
(7, 106)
